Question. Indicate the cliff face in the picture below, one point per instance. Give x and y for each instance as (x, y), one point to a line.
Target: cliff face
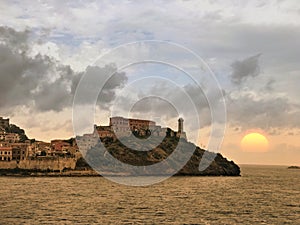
(219, 165)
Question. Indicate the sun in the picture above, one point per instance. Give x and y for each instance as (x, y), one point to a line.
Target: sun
(255, 142)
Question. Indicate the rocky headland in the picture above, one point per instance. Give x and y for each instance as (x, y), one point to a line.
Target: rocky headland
(218, 165)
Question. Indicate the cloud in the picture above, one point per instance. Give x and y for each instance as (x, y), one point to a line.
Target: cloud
(24, 80)
(243, 69)
(164, 101)
(251, 111)
(40, 81)
(213, 30)
(17, 40)
(105, 77)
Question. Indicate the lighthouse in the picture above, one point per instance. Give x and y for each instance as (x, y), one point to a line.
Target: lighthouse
(180, 125)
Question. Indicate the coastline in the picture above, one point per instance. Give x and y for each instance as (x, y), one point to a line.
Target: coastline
(89, 173)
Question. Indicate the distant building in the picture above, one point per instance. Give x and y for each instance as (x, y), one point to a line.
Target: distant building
(20, 151)
(12, 137)
(104, 131)
(122, 127)
(9, 137)
(4, 144)
(38, 147)
(59, 145)
(18, 154)
(105, 134)
(125, 126)
(180, 132)
(2, 135)
(87, 141)
(180, 125)
(6, 153)
(130, 124)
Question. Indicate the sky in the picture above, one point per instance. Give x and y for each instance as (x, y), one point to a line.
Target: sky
(250, 47)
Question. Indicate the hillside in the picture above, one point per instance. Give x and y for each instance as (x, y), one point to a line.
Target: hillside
(220, 166)
(12, 128)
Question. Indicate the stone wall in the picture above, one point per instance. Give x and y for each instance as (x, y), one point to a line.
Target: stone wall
(8, 165)
(41, 164)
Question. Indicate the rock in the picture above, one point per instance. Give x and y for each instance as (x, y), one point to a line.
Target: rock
(294, 167)
(218, 165)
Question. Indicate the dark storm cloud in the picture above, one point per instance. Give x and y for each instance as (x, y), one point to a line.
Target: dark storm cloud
(15, 39)
(102, 83)
(243, 69)
(40, 81)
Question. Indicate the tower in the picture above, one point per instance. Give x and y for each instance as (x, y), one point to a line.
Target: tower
(180, 125)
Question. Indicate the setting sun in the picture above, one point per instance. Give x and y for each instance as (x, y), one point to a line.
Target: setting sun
(255, 142)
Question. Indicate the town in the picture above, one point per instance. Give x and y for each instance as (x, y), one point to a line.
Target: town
(16, 147)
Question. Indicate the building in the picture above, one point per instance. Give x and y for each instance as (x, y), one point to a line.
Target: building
(2, 135)
(104, 131)
(87, 141)
(12, 137)
(6, 153)
(20, 151)
(180, 132)
(4, 144)
(125, 126)
(105, 134)
(9, 137)
(122, 127)
(59, 145)
(180, 125)
(38, 148)
(137, 124)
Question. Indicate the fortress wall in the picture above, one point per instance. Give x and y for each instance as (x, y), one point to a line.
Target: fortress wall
(51, 164)
(40, 164)
(8, 165)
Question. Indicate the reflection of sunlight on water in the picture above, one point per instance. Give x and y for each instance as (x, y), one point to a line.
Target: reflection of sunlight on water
(131, 180)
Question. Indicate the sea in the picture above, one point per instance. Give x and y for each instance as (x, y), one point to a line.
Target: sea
(261, 195)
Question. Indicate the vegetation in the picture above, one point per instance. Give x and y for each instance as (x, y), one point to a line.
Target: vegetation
(15, 129)
(116, 148)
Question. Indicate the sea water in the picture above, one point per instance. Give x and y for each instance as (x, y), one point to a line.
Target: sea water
(262, 195)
